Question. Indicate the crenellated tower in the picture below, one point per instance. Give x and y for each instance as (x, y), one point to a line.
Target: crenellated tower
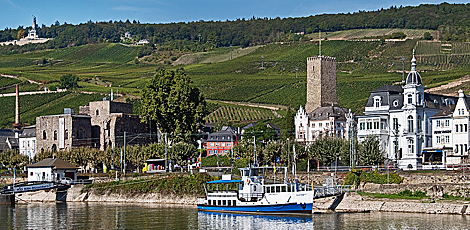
(321, 82)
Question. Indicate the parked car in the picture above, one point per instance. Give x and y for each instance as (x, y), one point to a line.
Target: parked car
(65, 180)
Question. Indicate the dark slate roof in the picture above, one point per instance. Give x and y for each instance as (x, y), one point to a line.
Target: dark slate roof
(252, 124)
(223, 135)
(388, 88)
(436, 101)
(56, 163)
(274, 126)
(399, 99)
(388, 93)
(445, 112)
(28, 132)
(324, 113)
(4, 135)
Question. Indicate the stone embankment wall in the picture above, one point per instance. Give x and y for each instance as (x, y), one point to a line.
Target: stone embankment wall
(74, 194)
(352, 202)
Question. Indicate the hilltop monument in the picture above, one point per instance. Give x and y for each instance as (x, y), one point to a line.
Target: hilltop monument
(321, 82)
(32, 35)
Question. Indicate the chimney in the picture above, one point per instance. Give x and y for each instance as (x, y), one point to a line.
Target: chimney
(17, 124)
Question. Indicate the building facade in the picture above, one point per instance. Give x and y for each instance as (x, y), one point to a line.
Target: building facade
(111, 119)
(323, 121)
(27, 141)
(222, 142)
(63, 131)
(401, 118)
(322, 116)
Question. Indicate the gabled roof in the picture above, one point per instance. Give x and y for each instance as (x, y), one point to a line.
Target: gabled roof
(55, 163)
(445, 112)
(324, 113)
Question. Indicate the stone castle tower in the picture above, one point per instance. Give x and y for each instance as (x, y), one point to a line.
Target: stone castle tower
(321, 82)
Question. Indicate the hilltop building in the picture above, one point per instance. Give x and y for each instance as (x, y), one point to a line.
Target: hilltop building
(32, 34)
(401, 118)
(322, 115)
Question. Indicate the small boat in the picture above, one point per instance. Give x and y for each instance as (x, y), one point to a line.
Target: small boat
(252, 195)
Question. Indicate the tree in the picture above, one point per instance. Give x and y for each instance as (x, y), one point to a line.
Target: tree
(174, 103)
(427, 36)
(21, 34)
(13, 159)
(262, 132)
(370, 152)
(69, 81)
(180, 153)
(326, 149)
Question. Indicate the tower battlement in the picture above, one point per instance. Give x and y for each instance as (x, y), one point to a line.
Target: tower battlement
(325, 58)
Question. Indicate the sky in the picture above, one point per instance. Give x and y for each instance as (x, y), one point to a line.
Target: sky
(16, 13)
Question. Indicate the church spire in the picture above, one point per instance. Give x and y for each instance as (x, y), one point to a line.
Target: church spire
(413, 62)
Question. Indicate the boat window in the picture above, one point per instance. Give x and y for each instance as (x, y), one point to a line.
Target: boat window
(283, 189)
(219, 202)
(229, 203)
(289, 189)
(278, 188)
(234, 203)
(214, 203)
(224, 203)
(254, 188)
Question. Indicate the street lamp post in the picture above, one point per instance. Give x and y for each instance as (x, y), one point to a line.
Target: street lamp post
(403, 64)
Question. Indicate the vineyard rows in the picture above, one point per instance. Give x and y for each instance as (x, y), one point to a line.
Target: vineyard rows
(238, 114)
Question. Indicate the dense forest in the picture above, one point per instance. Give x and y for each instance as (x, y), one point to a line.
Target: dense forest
(451, 20)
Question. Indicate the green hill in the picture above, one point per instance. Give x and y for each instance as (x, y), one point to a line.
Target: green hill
(264, 75)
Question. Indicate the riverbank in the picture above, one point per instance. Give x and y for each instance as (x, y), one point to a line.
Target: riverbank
(353, 202)
(349, 203)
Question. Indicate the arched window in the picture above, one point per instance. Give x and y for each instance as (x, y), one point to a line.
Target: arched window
(66, 134)
(377, 102)
(44, 136)
(410, 123)
(55, 135)
(410, 99)
(97, 112)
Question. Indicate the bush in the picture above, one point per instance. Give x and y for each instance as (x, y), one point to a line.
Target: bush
(357, 176)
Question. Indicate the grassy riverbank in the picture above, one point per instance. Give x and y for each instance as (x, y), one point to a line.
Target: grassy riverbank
(164, 184)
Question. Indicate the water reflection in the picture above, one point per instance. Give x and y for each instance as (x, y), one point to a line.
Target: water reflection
(213, 220)
(161, 216)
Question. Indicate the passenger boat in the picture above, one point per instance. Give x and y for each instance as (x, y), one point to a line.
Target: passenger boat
(255, 196)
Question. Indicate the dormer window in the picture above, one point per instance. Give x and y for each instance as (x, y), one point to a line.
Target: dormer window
(377, 101)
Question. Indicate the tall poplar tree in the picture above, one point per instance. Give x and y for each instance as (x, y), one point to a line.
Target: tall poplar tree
(174, 103)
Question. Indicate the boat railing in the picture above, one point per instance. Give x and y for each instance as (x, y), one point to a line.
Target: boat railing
(251, 196)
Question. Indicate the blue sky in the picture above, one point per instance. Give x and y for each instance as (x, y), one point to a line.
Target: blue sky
(16, 13)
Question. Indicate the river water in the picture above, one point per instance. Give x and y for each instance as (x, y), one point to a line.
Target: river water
(160, 216)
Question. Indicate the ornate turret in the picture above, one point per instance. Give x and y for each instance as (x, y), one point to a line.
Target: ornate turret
(413, 77)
